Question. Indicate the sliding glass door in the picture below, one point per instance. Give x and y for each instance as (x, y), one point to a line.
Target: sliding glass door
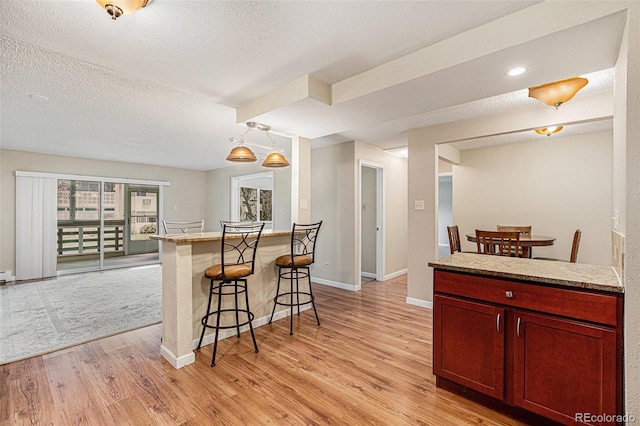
(105, 224)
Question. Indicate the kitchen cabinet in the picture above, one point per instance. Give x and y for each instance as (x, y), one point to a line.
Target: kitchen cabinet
(550, 350)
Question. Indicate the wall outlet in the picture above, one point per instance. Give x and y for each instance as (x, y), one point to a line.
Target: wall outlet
(175, 208)
(327, 264)
(418, 205)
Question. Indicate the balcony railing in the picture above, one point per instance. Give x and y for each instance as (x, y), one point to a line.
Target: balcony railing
(83, 237)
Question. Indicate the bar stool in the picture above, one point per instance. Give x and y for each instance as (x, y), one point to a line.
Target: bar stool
(294, 267)
(238, 254)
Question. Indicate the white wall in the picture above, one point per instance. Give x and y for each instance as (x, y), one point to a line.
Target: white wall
(332, 183)
(626, 131)
(556, 185)
(186, 189)
(218, 194)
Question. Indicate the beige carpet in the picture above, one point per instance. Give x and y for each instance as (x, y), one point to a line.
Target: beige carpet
(45, 316)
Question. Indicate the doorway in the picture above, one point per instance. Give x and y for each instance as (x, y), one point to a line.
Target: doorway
(371, 222)
(445, 212)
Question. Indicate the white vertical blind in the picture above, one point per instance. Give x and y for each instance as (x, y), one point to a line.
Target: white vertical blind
(36, 225)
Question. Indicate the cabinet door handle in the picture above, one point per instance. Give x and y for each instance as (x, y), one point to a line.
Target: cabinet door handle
(518, 327)
(508, 294)
(498, 323)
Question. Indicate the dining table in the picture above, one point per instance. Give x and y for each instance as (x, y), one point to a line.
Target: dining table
(526, 242)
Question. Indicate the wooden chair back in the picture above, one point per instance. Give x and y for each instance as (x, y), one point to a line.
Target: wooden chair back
(499, 243)
(524, 230)
(575, 246)
(454, 239)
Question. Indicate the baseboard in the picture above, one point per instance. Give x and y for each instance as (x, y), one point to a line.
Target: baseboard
(6, 276)
(177, 362)
(223, 334)
(419, 302)
(396, 274)
(336, 284)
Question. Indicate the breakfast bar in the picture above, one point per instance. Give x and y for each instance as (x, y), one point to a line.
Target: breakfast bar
(185, 288)
(530, 337)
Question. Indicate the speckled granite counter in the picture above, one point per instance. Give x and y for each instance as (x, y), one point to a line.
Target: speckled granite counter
(594, 277)
(212, 236)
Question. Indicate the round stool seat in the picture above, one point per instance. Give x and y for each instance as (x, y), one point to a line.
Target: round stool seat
(301, 260)
(231, 272)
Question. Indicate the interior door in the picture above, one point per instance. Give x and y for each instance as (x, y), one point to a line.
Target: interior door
(141, 206)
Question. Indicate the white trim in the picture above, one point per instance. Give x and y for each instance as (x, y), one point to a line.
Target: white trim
(396, 274)
(336, 284)
(368, 275)
(419, 302)
(92, 178)
(177, 362)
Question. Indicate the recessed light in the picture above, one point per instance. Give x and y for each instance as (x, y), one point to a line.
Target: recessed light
(39, 97)
(516, 71)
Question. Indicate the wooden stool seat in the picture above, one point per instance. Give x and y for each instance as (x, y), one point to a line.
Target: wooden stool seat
(230, 271)
(300, 260)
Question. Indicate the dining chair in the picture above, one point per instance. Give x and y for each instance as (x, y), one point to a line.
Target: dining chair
(183, 227)
(454, 240)
(574, 249)
(498, 243)
(523, 230)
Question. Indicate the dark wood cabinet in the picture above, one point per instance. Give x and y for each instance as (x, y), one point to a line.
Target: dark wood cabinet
(470, 342)
(555, 352)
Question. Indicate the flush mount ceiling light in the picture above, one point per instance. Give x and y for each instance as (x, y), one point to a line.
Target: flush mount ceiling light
(516, 71)
(549, 130)
(242, 154)
(117, 8)
(556, 93)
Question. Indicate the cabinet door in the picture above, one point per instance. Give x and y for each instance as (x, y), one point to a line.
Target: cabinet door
(468, 345)
(563, 367)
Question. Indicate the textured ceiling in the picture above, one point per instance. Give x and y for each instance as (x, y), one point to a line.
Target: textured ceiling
(161, 86)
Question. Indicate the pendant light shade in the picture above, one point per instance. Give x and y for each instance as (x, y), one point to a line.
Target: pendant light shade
(548, 130)
(275, 160)
(117, 8)
(241, 154)
(556, 93)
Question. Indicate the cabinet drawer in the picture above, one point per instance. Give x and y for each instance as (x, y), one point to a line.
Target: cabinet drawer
(594, 307)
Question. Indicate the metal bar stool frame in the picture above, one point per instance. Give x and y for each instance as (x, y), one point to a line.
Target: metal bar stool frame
(240, 242)
(294, 267)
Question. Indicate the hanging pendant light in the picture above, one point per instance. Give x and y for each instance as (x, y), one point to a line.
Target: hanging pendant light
(548, 130)
(557, 93)
(117, 8)
(242, 154)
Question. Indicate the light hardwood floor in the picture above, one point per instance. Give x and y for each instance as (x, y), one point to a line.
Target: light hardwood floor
(368, 363)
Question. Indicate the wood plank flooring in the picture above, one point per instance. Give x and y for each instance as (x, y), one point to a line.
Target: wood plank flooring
(368, 363)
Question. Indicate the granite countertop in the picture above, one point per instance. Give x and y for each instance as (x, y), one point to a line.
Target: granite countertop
(594, 277)
(212, 236)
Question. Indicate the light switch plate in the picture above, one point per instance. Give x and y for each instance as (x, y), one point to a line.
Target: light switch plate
(304, 203)
(418, 205)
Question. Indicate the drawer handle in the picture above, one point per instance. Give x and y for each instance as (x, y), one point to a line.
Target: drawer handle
(498, 323)
(518, 328)
(509, 294)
